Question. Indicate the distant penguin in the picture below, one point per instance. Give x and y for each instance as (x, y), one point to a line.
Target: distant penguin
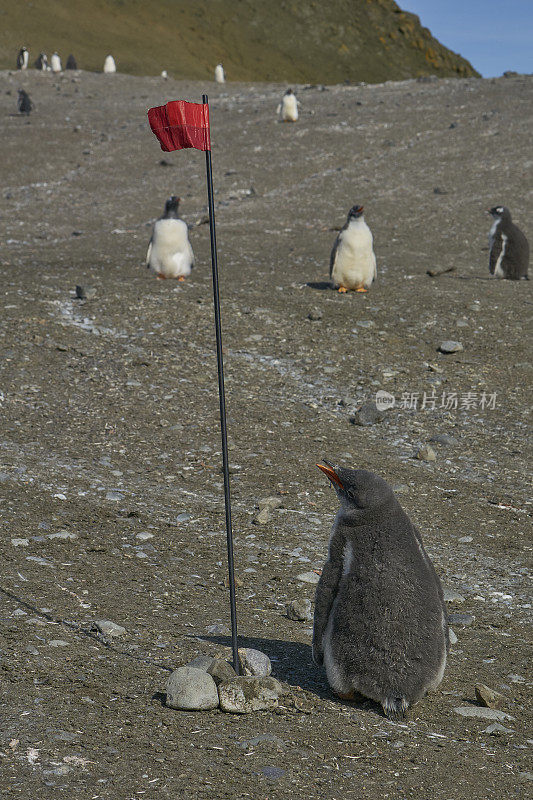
(509, 248)
(352, 264)
(23, 58)
(220, 76)
(380, 622)
(288, 108)
(41, 62)
(169, 253)
(24, 104)
(109, 65)
(71, 62)
(164, 74)
(55, 63)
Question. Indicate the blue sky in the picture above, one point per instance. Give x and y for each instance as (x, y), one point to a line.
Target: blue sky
(494, 35)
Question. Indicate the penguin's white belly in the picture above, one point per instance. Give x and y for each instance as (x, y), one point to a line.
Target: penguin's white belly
(56, 64)
(289, 109)
(109, 64)
(171, 253)
(498, 269)
(219, 74)
(355, 262)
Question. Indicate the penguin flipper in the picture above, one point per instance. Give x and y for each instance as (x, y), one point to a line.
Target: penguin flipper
(149, 253)
(326, 591)
(495, 252)
(333, 256)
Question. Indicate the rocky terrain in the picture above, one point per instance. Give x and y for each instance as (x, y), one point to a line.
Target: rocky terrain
(282, 40)
(110, 469)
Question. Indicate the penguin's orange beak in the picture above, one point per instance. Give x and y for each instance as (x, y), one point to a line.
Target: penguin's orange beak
(332, 475)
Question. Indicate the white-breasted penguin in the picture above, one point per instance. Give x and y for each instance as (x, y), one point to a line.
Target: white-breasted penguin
(109, 65)
(380, 623)
(23, 58)
(220, 76)
(352, 264)
(509, 248)
(41, 62)
(55, 63)
(288, 108)
(170, 253)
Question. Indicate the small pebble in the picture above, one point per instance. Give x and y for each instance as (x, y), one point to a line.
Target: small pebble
(254, 662)
(450, 347)
(108, 628)
(453, 597)
(85, 292)
(488, 697)
(426, 453)
(58, 643)
(496, 729)
(445, 439)
(368, 414)
(308, 577)
(299, 610)
(452, 636)
(315, 315)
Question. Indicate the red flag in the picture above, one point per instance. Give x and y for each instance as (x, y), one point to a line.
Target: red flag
(181, 124)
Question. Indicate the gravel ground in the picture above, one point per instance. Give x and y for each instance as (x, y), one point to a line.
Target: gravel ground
(112, 503)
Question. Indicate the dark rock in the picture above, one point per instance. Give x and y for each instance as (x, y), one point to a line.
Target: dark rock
(85, 292)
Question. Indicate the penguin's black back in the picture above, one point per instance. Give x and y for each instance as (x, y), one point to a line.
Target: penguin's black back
(24, 103)
(71, 62)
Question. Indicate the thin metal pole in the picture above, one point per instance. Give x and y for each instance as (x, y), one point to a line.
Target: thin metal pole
(222, 402)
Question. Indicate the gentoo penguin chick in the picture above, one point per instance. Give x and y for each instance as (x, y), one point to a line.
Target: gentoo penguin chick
(220, 76)
(109, 65)
(380, 625)
(352, 264)
(288, 108)
(24, 104)
(509, 248)
(55, 63)
(23, 58)
(41, 63)
(71, 62)
(169, 253)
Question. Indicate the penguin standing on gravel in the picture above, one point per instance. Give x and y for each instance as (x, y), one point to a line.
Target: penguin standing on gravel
(41, 62)
(23, 58)
(24, 103)
(220, 76)
(170, 253)
(71, 62)
(380, 624)
(109, 65)
(288, 108)
(55, 63)
(352, 264)
(509, 248)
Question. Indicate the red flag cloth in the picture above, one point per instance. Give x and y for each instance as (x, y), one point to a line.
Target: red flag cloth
(180, 124)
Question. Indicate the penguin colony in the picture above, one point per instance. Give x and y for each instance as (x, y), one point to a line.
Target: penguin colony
(380, 622)
(380, 625)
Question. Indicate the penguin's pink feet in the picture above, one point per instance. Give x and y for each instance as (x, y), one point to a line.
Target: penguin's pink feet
(181, 278)
(342, 289)
(348, 696)
(361, 289)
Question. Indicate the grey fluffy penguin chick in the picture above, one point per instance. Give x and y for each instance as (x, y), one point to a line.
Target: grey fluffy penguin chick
(24, 102)
(508, 247)
(380, 624)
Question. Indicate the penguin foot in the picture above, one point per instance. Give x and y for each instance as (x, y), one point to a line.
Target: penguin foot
(181, 278)
(161, 277)
(361, 289)
(395, 707)
(342, 289)
(346, 696)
